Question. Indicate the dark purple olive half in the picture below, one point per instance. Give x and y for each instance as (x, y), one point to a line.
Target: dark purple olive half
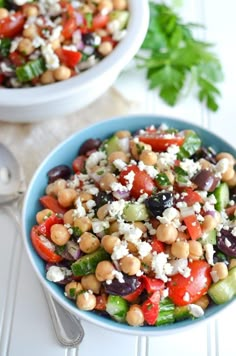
(61, 171)
(226, 242)
(89, 145)
(205, 180)
(208, 153)
(157, 203)
(129, 285)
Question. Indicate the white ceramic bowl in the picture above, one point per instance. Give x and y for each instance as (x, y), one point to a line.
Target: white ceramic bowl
(55, 100)
(64, 154)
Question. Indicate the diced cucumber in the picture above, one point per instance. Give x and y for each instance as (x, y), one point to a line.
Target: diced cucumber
(166, 312)
(87, 264)
(122, 16)
(117, 307)
(222, 196)
(225, 289)
(135, 212)
(30, 70)
(112, 145)
(182, 313)
(209, 238)
(5, 44)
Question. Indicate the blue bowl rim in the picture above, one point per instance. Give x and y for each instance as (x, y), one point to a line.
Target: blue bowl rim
(66, 303)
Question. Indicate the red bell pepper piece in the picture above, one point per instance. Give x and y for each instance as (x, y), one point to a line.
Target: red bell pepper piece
(193, 226)
(45, 227)
(191, 197)
(51, 203)
(152, 284)
(134, 295)
(101, 301)
(157, 246)
(150, 308)
(68, 57)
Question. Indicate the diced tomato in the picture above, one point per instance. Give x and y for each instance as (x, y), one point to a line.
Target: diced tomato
(78, 164)
(157, 246)
(193, 226)
(17, 59)
(134, 295)
(101, 301)
(191, 197)
(160, 142)
(44, 247)
(45, 227)
(12, 25)
(68, 57)
(142, 182)
(150, 308)
(152, 284)
(51, 203)
(183, 291)
(99, 21)
(69, 24)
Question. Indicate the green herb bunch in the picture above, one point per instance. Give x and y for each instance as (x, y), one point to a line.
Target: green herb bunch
(175, 60)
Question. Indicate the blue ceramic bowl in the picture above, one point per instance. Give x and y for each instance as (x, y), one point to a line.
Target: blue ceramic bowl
(64, 154)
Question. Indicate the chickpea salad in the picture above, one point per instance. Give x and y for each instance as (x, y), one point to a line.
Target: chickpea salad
(141, 227)
(45, 41)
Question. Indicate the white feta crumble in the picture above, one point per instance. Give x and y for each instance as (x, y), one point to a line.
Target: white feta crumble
(214, 276)
(80, 211)
(221, 166)
(113, 26)
(119, 276)
(158, 265)
(190, 166)
(151, 171)
(51, 59)
(209, 251)
(14, 44)
(120, 251)
(130, 178)
(233, 232)
(186, 297)
(38, 42)
(57, 274)
(150, 228)
(131, 233)
(142, 197)
(197, 207)
(144, 248)
(115, 208)
(119, 164)
(90, 204)
(119, 35)
(92, 190)
(99, 226)
(4, 175)
(227, 242)
(94, 159)
(168, 215)
(56, 32)
(118, 187)
(20, 2)
(195, 310)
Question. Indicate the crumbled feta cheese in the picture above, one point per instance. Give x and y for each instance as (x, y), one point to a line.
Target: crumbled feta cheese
(57, 274)
(227, 242)
(221, 166)
(131, 233)
(115, 208)
(56, 32)
(168, 215)
(144, 248)
(233, 232)
(113, 26)
(190, 166)
(142, 198)
(80, 211)
(150, 228)
(94, 159)
(158, 265)
(209, 251)
(186, 297)
(118, 187)
(195, 310)
(214, 276)
(99, 226)
(20, 2)
(119, 164)
(119, 251)
(90, 204)
(119, 276)
(197, 207)
(130, 178)
(51, 59)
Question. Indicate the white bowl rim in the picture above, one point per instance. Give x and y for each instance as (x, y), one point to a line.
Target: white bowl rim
(120, 56)
(88, 316)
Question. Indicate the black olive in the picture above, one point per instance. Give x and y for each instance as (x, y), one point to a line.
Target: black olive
(61, 171)
(226, 242)
(157, 203)
(89, 145)
(129, 285)
(205, 180)
(103, 198)
(232, 194)
(208, 153)
(88, 39)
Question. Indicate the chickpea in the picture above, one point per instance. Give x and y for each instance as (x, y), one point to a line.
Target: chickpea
(130, 265)
(134, 316)
(182, 236)
(105, 5)
(25, 46)
(88, 242)
(209, 223)
(149, 158)
(166, 233)
(83, 223)
(3, 13)
(30, 10)
(102, 212)
(62, 73)
(227, 155)
(232, 182)
(132, 247)
(90, 282)
(105, 48)
(195, 249)
(140, 226)
(114, 227)
(66, 197)
(118, 155)
(72, 289)
(106, 181)
(47, 77)
(108, 242)
(84, 196)
(104, 271)
(55, 44)
(219, 271)
(136, 148)
(42, 215)
(86, 301)
(120, 4)
(205, 164)
(232, 263)
(68, 217)
(123, 134)
(228, 174)
(146, 263)
(59, 234)
(55, 187)
(30, 31)
(203, 302)
(180, 249)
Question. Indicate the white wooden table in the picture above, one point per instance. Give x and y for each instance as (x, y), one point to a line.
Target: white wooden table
(25, 325)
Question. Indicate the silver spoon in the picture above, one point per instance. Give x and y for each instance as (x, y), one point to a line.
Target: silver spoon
(67, 327)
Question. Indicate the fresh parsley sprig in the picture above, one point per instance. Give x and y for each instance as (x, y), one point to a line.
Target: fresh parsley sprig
(174, 59)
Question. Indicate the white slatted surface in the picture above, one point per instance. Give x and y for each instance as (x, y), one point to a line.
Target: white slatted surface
(25, 326)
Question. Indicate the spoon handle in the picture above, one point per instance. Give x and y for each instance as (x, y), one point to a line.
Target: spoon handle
(68, 329)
